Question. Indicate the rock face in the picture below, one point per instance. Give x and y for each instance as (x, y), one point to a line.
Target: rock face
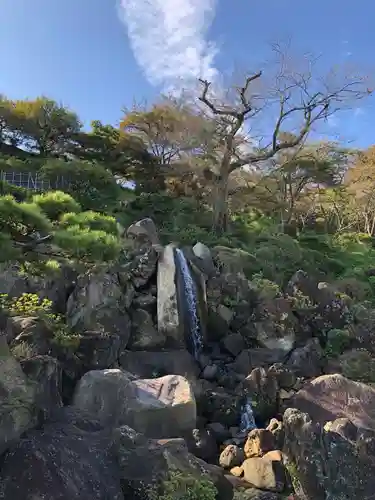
(69, 459)
(18, 411)
(336, 462)
(167, 308)
(163, 407)
(97, 305)
(144, 230)
(330, 397)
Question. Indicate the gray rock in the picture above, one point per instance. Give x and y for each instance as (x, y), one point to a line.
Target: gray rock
(45, 372)
(169, 323)
(234, 343)
(163, 407)
(144, 334)
(231, 456)
(69, 459)
(18, 410)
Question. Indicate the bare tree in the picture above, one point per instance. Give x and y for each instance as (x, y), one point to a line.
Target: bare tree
(301, 100)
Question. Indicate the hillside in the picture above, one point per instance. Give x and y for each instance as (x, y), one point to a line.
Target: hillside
(163, 341)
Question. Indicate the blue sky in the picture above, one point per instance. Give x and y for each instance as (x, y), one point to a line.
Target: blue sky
(98, 55)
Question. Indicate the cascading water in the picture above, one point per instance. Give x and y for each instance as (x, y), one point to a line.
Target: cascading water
(190, 294)
(247, 418)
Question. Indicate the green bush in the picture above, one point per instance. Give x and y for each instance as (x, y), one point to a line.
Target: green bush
(90, 184)
(56, 203)
(184, 486)
(30, 305)
(88, 245)
(91, 220)
(337, 341)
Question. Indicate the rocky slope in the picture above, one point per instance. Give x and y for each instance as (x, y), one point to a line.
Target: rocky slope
(118, 403)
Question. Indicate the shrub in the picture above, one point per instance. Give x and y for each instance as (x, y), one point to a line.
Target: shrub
(184, 486)
(91, 220)
(337, 341)
(55, 203)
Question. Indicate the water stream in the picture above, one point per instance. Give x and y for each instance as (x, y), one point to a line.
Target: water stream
(191, 298)
(247, 418)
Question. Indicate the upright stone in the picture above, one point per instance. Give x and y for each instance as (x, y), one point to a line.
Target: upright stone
(169, 323)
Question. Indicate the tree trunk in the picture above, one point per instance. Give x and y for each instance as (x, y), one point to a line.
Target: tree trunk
(220, 215)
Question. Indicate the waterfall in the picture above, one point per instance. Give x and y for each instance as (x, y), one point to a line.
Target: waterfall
(247, 417)
(191, 298)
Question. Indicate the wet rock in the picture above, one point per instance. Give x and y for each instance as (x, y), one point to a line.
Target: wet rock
(307, 361)
(217, 405)
(231, 456)
(261, 387)
(70, 458)
(163, 407)
(258, 443)
(330, 397)
(210, 372)
(234, 343)
(265, 474)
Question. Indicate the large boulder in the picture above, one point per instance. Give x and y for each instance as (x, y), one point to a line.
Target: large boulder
(144, 230)
(97, 305)
(307, 361)
(330, 397)
(259, 357)
(164, 466)
(333, 462)
(151, 364)
(70, 458)
(163, 407)
(18, 399)
(169, 321)
(46, 374)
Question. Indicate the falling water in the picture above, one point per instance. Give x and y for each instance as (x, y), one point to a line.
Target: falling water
(191, 302)
(247, 417)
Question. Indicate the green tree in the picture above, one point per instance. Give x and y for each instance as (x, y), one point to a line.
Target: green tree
(36, 231)
(46, 126)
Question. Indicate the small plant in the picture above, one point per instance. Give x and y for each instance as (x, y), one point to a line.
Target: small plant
(337, 341)
(23, 351)
(267, 288)
(29, 304)
(184, 486)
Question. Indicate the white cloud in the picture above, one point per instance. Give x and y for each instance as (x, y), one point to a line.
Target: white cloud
(359, 112)
(168, 39)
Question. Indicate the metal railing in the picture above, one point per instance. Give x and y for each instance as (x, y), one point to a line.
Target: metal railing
(32, 180)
